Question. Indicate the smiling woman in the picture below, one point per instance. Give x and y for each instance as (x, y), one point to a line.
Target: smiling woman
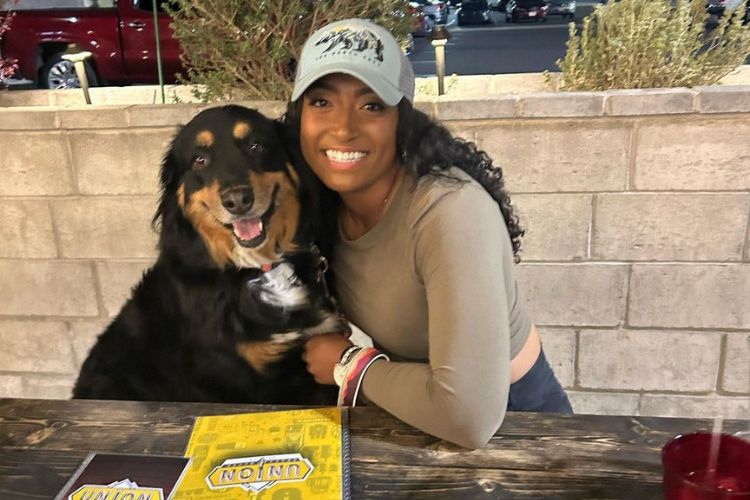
(423, 240)
(349, 140)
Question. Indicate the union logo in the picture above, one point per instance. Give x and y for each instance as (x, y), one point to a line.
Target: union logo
(119, 490)
(258, 473)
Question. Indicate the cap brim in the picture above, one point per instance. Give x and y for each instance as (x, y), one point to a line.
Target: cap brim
(390, 95)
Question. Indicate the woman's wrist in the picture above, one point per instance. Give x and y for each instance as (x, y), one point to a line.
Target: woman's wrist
(349, 376)
(346, 354)
(340, 369)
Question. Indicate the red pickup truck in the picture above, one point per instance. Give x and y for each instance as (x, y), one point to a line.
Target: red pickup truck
(121, 39)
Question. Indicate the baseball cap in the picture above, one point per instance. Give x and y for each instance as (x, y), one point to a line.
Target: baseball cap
(359, 48)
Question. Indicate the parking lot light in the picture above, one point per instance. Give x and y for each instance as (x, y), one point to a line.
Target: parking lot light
(77, 57)
(440, 37)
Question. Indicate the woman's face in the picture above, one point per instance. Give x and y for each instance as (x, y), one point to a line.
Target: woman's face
(348, 134)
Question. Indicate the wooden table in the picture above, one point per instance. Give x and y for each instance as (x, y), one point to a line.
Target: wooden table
(531, 456)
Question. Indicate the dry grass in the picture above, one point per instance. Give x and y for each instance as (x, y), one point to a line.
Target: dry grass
(240, 49)
(652, 43)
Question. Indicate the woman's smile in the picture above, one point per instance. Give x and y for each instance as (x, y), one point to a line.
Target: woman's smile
(341, 159)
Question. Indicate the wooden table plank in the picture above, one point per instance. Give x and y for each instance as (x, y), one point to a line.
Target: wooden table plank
(39, 474)
(531, 456)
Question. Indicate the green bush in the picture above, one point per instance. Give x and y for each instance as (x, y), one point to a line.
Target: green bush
(652, 43)
(240, 49)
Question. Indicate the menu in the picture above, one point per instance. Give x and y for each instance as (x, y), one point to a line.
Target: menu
(296, 454)
(119, 476)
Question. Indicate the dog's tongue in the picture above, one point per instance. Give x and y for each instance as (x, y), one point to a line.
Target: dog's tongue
(247, 229)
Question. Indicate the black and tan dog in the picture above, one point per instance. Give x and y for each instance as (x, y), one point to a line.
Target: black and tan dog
(209, 321)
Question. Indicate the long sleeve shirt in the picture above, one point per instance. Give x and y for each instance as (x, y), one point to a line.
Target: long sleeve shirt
(432, 283)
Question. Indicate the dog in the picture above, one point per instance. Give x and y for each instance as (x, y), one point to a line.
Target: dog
(238, 284)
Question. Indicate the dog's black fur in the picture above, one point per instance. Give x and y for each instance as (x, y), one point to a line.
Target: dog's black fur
(200, 325)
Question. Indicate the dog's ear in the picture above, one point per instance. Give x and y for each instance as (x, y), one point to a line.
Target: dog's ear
(168, 179)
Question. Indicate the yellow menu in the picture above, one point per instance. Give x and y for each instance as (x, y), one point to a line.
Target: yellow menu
(283, 455)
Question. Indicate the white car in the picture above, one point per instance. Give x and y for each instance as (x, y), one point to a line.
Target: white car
(437, 10)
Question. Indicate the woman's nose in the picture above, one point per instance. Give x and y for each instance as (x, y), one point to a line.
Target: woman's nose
(344, 125)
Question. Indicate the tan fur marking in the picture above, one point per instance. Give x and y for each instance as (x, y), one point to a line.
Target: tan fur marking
(293, 174)
(205, 138)
(181, 196)
(241, 130)
(284, 222)
(219, 239)
(261, 354)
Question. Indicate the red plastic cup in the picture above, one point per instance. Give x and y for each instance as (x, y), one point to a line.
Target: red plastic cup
(686, 476)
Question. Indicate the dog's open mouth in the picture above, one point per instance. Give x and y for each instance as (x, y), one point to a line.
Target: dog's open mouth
(250, 232)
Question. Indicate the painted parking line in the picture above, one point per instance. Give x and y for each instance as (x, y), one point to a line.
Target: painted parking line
(511, 28)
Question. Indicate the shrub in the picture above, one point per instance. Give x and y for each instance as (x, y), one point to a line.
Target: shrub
(653, 43)
(240, 49)
(8, 67)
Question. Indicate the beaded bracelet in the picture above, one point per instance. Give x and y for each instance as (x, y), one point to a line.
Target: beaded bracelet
(355, 373)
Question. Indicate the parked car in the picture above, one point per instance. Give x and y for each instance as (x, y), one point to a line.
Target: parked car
(718, 7)
(436, 9)
(121, 39)
(498, 5)
(473, 12)
(423, 24)
(517, 10)
(564, 8)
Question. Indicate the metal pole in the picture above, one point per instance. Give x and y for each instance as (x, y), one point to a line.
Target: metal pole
(158, 50)
(440, 63)
(78, 58)
(81, 71)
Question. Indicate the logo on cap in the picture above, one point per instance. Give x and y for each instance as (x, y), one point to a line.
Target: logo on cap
(362, 40)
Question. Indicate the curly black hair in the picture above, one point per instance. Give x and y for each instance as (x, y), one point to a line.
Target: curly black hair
(424, 147)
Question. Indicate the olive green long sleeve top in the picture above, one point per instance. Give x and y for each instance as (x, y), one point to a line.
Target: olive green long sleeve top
(433, 285)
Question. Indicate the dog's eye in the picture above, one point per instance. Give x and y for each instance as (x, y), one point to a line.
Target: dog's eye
(200, 161)
(255, 147)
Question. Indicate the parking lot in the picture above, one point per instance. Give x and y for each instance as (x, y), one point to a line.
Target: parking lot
(500, 47)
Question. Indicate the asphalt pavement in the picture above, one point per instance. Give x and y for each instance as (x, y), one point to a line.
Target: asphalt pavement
(526, 47)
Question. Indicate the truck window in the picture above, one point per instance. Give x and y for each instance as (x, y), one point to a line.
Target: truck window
(149, 4)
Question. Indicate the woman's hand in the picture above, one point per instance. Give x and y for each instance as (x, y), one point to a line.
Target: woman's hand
(321, 354)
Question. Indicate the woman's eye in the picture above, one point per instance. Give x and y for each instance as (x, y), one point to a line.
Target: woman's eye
(318, 103)
(255, 147)
(200, 161)
(374, 106)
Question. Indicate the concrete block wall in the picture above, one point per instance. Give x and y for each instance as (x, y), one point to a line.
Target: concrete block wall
(636, 261)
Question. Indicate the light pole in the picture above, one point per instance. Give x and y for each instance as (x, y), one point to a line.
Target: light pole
(440, 37)
(77, 56)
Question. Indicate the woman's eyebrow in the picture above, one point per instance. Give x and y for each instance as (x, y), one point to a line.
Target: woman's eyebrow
(321, 85)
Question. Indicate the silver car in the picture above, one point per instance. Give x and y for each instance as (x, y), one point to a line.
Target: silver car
(565, 8)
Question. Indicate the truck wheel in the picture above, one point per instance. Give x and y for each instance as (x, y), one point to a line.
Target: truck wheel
(61, 74)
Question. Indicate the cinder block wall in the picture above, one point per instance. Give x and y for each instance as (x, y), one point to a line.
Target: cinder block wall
(636, 263)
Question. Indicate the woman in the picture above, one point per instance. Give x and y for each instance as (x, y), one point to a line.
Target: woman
(426, 243)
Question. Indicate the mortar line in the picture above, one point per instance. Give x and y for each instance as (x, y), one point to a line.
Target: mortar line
(628, 296)
(630, 177)
(592, 221)
(55, 232)
(66, 134)
(746, 244)
(98, 290)
(576, 366)
(723, 345)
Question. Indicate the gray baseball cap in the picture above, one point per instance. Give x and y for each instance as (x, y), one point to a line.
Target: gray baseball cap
(359, 48)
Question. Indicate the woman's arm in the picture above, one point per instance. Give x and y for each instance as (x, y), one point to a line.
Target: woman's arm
(463, 254)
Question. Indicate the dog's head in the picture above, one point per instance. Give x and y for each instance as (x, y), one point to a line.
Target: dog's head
(227, 177)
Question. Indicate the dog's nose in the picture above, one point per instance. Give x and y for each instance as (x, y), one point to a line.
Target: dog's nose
(237, 201)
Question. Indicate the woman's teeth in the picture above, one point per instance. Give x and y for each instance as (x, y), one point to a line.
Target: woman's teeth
(345, 157)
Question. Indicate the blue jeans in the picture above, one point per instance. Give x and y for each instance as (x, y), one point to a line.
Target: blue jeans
(539, 391)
